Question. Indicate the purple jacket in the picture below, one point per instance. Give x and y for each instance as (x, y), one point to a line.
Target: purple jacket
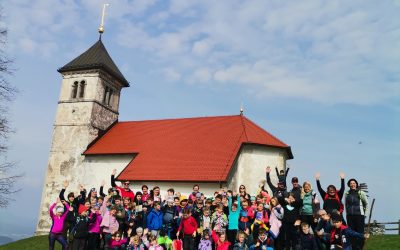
(58, 222)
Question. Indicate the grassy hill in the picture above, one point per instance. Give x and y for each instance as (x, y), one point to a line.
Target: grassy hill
(41, 242)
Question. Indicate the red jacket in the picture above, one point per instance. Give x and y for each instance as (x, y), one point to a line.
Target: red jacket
(220, 245)
(189, 225)
(125, 193)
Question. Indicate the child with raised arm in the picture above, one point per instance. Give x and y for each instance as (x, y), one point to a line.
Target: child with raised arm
(233, 218)
(220, 239)
(282, 174)
(57, 225)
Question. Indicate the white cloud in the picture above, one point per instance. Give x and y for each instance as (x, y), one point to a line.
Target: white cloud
(328, 52)
(201, 48)
(202, 75)
(171, 74)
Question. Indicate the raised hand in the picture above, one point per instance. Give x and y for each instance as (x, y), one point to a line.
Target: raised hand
(268, 169)
(103, 182)
(114, 171)
(65, 184)
(81, 187)
(341, 175)
(317, 175)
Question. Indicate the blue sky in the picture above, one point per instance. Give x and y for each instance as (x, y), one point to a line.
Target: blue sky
(320, 75)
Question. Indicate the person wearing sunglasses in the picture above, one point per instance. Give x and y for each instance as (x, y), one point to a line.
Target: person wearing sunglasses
(124, 190)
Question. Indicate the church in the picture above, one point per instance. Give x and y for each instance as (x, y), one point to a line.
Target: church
(89, 141)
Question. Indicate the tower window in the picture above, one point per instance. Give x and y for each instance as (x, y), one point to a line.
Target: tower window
(110, 93)
(107, 97)
(74, 90)
(82, 89)
(106, 90)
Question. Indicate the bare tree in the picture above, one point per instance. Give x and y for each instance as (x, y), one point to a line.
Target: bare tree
(7, 95)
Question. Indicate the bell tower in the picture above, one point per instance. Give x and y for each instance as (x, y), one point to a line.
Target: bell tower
(88, 106)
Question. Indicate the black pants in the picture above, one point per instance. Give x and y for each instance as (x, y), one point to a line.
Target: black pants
(93, 242)
(290, 235)
(231, 233)
(79, 244)
(188, 242)
(356, 223)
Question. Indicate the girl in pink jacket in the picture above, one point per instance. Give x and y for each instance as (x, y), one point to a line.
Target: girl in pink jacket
(58, 224)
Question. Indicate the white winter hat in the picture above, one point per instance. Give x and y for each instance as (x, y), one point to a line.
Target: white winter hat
(60, 210)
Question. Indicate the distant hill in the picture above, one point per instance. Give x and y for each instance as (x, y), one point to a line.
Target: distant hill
(5, 240)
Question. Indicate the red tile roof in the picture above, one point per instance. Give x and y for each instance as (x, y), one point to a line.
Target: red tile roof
(188, 149)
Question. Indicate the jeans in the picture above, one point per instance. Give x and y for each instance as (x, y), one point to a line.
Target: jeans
(53, 237)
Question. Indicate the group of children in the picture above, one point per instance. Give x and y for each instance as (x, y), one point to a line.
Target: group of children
(283, 219)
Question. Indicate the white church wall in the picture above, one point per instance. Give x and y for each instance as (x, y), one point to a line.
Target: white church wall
(96, 168)
(252, 163)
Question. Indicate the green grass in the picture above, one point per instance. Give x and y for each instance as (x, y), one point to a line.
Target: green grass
(34, 243)
(383, 242)
(41, 242)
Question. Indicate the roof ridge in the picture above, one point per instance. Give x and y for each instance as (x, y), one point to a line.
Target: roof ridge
(185, 118)
(244, 128)
(265, 131)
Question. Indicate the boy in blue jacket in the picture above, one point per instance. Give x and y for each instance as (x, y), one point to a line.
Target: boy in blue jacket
(341, 234)
(155, 219)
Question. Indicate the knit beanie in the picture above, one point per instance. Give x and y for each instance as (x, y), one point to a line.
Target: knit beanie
(82, 209)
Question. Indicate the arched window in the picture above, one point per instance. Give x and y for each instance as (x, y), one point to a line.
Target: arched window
(74, 90)
(82, 89)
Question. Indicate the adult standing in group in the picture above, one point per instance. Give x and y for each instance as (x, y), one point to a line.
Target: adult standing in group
(145, 193)
(277, 191)
(243, 193)
(356, 208)
(332, 198)
(124, 191)
(195, 190)
(296, 188)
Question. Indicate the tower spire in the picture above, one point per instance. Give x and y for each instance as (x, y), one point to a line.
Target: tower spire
(101, 28)
(241, 108)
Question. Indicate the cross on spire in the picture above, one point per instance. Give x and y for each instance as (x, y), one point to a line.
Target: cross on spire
(101, 28)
